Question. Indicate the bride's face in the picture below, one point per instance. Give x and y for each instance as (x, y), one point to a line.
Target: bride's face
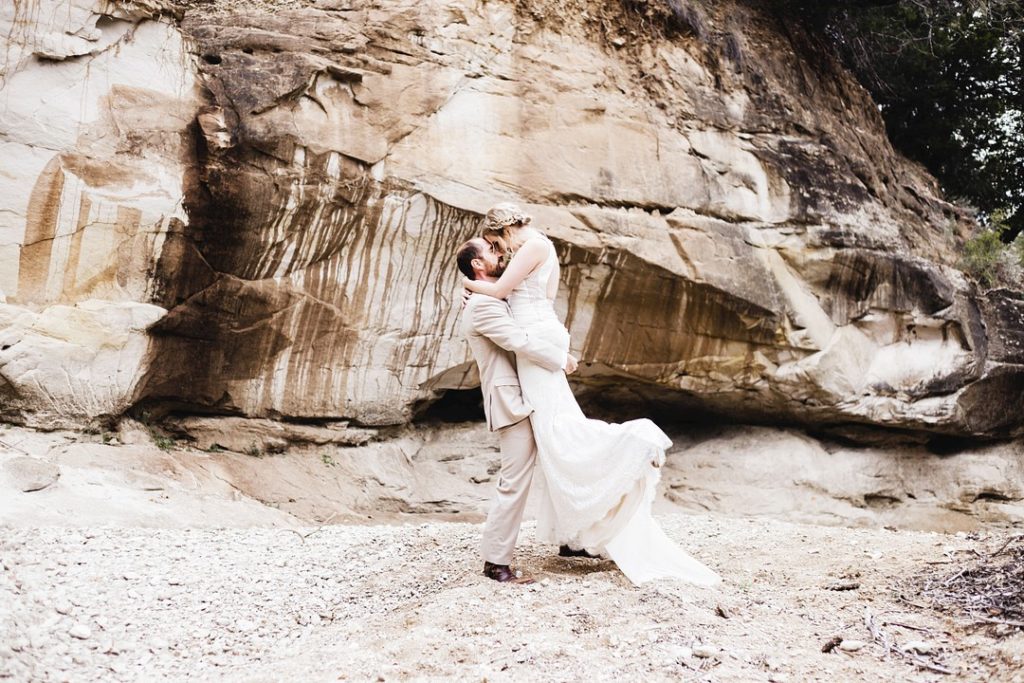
(507, 243)
(500, 248)
(495, 244)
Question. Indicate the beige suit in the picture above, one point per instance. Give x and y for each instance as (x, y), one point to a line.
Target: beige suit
(494, 337)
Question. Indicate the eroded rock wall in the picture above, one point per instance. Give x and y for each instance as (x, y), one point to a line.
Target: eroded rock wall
(735, 230)
(96, 102)
(219, 467)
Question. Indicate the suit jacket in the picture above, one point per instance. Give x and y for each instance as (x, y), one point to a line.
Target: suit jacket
(494, 336)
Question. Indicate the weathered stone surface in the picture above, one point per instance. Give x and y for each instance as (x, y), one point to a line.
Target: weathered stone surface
(735, 230)
(450, 471)
(785, 475)
(254, 435)
(98, 98)
(27, 474)
(68, 364)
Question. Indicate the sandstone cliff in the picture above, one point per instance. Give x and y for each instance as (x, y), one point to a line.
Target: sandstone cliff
(251, 208)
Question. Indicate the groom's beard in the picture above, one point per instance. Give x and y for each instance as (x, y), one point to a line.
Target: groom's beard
(497, 270)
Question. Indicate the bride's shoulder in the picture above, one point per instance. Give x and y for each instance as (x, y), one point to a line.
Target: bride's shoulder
(538, 241)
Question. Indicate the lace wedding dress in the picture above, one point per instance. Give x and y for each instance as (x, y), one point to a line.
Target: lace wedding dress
(596, 480)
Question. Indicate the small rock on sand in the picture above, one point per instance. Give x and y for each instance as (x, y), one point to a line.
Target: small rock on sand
(80, 631)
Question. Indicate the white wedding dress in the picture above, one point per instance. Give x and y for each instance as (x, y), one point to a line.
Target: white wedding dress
(596, 481)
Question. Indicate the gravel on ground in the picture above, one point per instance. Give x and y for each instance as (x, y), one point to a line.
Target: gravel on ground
(408, 602)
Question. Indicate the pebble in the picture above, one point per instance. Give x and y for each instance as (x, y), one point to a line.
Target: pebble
(919, 646)
(80, 631)
(39, 639)
(244, 625)
(778, 678)
(851, 645)
(705, 651)
(678, 652)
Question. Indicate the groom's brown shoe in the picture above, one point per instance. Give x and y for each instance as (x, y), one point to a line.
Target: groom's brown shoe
(504, 574)
(566, 551)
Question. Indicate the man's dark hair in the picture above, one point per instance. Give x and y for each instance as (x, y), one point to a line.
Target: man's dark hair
(467, 252)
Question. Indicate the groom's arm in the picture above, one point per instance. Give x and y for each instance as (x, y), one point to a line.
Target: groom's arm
(491, 319)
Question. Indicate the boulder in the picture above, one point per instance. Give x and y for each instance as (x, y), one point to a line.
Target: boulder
(28, 474)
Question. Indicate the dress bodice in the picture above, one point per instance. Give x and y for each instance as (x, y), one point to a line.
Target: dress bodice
(529, 299)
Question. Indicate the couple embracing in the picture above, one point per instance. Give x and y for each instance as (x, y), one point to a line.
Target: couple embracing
(596, 480)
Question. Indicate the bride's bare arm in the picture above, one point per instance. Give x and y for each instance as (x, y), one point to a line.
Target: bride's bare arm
(529, 256)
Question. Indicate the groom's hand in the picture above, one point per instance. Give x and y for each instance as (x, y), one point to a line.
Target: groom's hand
(571, 364)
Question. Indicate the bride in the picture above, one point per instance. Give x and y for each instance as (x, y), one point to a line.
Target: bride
(597, 480)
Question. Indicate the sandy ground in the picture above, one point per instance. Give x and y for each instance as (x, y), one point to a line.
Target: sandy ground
(408, 602)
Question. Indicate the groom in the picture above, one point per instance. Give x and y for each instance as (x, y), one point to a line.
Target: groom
(495, 338)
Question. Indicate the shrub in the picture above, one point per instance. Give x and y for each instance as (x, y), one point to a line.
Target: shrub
(981, 257)
(989, 260)
(164, 443)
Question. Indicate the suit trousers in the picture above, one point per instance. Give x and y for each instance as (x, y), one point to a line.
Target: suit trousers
(518, 455)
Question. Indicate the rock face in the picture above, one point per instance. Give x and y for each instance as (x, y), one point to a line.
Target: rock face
(98, 99)
(757, 471)
(450, 472)
(282, 193)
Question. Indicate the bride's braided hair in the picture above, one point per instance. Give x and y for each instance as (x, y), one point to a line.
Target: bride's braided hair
(497, 222)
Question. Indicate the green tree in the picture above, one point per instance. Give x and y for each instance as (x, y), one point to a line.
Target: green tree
(949, 79)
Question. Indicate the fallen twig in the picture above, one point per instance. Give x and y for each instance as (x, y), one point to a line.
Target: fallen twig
(303, 537)
(14, 446)
(1004, 622)
(908, 626)
(881, 637)
(931, 666)
(954, 577)
(1004, 546)
(877, 634)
